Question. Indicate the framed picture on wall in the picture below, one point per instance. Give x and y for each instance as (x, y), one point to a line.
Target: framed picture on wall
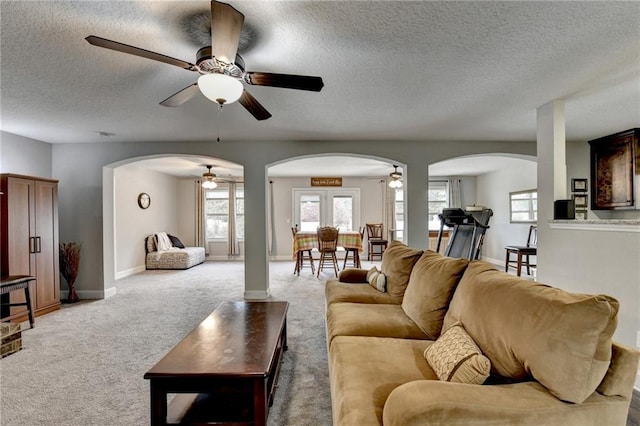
(580, 201)
(581, 214)
(579, 185)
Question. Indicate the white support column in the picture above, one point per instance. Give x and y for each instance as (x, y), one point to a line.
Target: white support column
(552, 174)
(256, 263)
(416, 204)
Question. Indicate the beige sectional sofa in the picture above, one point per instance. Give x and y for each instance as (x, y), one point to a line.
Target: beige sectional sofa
(401, 357)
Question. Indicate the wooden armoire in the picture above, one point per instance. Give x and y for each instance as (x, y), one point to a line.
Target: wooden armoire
(29, 241)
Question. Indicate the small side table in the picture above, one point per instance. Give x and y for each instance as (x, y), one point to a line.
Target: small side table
(10, 283)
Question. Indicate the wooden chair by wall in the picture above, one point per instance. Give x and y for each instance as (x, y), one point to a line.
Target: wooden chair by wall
(523, 253)
(327, 245)
(375, 239)
(300, 255)
(354, 252)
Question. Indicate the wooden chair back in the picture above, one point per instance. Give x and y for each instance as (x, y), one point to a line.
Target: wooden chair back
(532, 239)
(374, 231)
(294, 230)
(327, 238)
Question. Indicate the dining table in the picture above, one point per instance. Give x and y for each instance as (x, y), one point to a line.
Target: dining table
(308, 240)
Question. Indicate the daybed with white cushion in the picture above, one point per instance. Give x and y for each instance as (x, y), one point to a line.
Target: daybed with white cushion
(171, 256)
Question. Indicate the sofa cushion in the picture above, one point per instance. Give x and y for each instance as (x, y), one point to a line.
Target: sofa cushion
(431, 285)
(337, 292)
(377, 279)
(365, 370)
(456, 358)
(561, 339)
(397, 262)
(363, 319)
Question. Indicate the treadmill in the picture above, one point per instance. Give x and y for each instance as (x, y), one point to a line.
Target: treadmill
(469, 228)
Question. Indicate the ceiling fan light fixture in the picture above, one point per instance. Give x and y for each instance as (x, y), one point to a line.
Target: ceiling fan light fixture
(208, 179)
(396, 178)
(220, 88)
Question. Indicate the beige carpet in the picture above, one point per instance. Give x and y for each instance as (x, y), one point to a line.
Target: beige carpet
(84, 365)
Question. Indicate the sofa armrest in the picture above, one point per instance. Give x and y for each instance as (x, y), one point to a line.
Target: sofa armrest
(353, 275)
(425, 402)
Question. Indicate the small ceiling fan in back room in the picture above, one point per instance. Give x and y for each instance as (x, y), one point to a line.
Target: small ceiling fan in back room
(221, 69)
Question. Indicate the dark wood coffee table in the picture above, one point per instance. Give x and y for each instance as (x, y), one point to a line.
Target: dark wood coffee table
(225, 370)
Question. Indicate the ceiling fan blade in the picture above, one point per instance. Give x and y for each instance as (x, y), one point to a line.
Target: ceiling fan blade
(132, 50)
(288, 81)
(253, 106)
(182, 96)
(226, 26)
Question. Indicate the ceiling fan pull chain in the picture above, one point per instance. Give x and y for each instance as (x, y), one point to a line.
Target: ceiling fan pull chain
(218, 124)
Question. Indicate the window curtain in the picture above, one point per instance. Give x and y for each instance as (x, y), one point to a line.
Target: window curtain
(389, 197)
(272, 224)
(455, 193)
(200, 227)
(232, 239)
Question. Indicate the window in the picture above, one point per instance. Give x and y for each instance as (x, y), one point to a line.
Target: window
(438, 200)
(399, 214)
(523, 206)
(326, 207)
(217, 213)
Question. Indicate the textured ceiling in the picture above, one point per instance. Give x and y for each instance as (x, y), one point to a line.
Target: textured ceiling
(392, 70)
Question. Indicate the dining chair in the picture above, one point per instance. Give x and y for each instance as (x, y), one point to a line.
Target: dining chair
(300, 255)
(375, 239)
(523, 253)
(354, 252)
(327, 245)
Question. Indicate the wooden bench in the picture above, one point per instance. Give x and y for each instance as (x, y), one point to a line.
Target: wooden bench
(10, 283)
(225, 370)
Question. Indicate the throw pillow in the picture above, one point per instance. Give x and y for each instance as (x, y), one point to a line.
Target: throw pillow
(175, 241)
(353, 275)
(433, 280)
(377, 279)
(397, 262)
(455, 357)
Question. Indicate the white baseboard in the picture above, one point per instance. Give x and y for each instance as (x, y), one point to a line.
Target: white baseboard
(256, 294)
(494, 261)
(129, 272)
(90, 294)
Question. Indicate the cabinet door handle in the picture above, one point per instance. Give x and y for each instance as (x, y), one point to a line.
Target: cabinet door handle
(32, 244)
(38, 245)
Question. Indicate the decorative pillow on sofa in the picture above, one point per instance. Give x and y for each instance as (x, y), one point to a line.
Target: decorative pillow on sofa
(527, 329)
(397, 262)
(377, 279)
(433, 280)
(455, 357)
(353, 275)
(175, 241)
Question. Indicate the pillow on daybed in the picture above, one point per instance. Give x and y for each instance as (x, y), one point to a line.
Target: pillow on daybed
(527, 329)
(433, 280)
(455, 357)
(397, 262)
(175, 241)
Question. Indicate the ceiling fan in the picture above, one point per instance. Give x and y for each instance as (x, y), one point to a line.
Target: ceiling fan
(221, 69)
(210, 180)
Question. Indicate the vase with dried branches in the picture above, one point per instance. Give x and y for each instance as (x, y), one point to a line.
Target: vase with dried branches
(69, 264)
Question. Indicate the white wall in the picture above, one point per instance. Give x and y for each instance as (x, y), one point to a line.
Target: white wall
(24, 156)
(133, 224)
(493, 192)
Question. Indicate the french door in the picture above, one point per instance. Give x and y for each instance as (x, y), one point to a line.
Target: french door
(326, 207)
